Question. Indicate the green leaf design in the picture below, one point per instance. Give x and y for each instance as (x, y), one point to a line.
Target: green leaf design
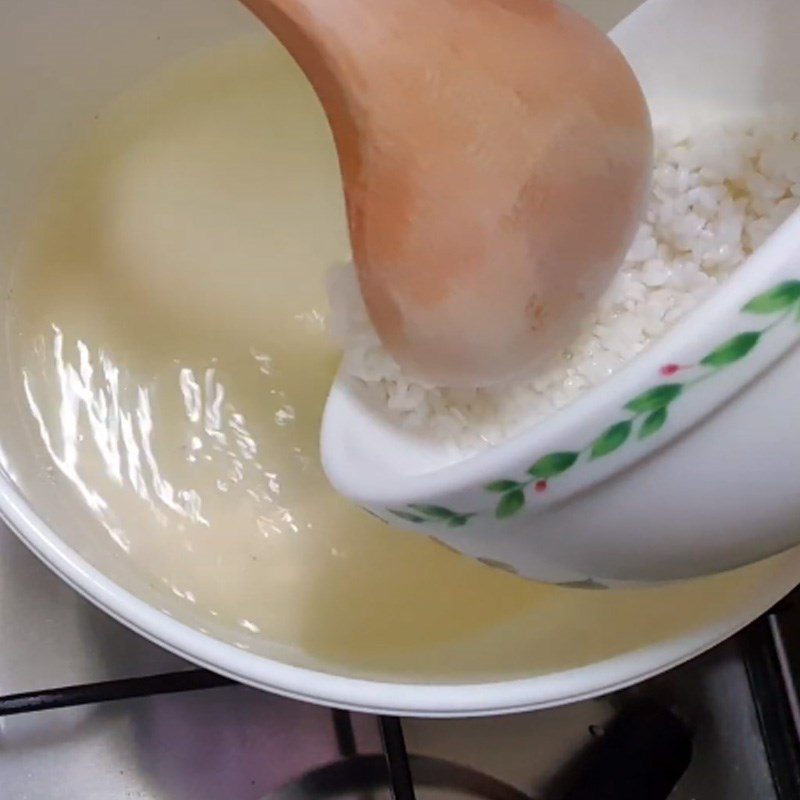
(655, 399)
(490, 562)
(779, 298)
(511, 504)
(612, 439)
(503, 486)
(653, 423)
(649, 413)
(733, 350)
(433, 512)
(553, 464)
(407, 516)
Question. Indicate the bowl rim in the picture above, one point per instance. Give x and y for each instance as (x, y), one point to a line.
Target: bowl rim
(439, 700)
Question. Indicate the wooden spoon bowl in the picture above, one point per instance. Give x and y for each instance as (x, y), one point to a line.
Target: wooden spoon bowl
(495, 156)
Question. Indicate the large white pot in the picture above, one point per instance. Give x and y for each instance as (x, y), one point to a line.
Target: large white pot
(60, 62)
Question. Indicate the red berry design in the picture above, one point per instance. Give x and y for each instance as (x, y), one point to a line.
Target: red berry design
(670, 369)
(541, 486)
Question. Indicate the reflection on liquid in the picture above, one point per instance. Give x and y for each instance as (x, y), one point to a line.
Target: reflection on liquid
(67, 427)
(5, 465)
(120, 429)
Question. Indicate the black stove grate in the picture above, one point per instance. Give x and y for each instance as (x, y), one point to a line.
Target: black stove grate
(771, 654)
(397, 771)
(107, 691)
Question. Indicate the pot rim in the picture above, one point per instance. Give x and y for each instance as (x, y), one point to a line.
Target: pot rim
(375, 696)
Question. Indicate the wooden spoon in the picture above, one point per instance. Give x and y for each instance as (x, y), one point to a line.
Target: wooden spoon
(495, 156)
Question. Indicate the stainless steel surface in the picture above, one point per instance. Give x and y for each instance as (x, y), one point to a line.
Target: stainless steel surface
(730, 762)
(227, 743)
(529, 750)
(53, 637)
(367, 774)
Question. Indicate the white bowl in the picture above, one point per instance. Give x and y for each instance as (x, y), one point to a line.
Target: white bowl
(59, 64)
(651, 476)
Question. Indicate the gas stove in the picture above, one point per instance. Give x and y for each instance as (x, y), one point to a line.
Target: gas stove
(90, 710)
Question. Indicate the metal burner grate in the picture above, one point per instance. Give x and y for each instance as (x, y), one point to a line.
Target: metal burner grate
(656, 762)
(107, 691)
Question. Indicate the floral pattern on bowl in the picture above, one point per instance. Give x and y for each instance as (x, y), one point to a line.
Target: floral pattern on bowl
(645, 416)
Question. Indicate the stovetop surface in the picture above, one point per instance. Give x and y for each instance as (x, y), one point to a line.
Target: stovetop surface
(240, 744)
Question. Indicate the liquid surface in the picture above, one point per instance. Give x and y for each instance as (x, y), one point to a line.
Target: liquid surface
(175, 363)
(168, 328)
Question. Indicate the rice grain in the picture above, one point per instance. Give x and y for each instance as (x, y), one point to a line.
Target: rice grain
(716, 197)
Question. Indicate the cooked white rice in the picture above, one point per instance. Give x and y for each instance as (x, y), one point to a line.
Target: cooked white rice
(716, 196)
